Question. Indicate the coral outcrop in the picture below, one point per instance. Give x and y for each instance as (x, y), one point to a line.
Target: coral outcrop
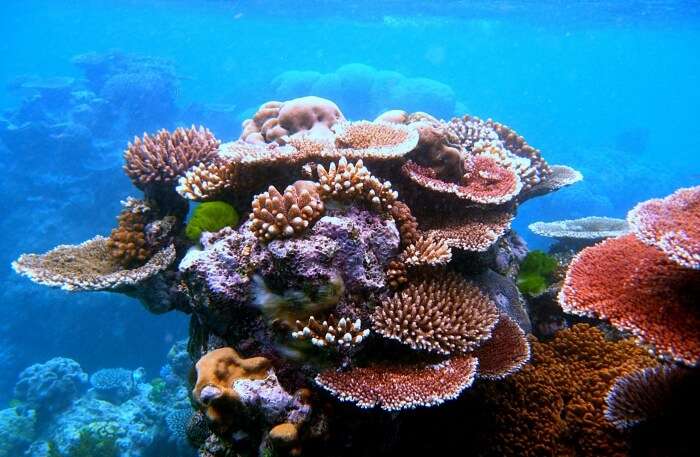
(52, 386)
(375, 266)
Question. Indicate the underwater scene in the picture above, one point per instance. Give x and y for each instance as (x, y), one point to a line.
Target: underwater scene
(349, 228)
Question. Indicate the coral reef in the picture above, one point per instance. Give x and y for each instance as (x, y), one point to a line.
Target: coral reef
(52, 386)
(375, 266)
(553, 406)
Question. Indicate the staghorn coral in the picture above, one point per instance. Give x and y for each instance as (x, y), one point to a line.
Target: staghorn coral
(397, 387)
(586, 228)
(671, 224)
(89, 266)
(637, 289)
(277, 215)
(554, 405)
(427, 251)
(333, 332)
(505, 353)
(347, 181)
(406, 223)
(443, 314)
(159, 160)
(642, 395)
(127, 242)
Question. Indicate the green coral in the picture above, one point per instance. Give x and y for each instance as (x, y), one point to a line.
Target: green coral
(96, 439)
(536, 272)
(210, 217)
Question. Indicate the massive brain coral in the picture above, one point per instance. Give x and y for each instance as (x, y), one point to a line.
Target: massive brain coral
(341, 283)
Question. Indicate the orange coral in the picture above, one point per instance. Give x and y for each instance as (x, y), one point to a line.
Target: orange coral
(405, 222)
(216, 373)
(555, 405)
(506, 352)
(640, 290)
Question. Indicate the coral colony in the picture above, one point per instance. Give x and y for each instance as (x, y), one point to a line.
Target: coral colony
(375, 268)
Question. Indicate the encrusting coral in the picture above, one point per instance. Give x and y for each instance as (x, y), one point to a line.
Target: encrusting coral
(442, 314)
(161, 159)
(553, 406)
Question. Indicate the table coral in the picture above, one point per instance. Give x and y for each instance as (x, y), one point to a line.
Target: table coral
(587, 228)
(671, 224)
(638, 289)
(555, 405)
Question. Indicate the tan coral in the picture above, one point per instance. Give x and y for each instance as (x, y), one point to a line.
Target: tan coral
(470, 229)
(347, 181)
(162, 158)
(332, 332)
(427, 251)
(89, 266)
(127, 242)
(374, 140)
(506, 352)
(217, 371)
(277, 215)
(205, 180)
(443, 314)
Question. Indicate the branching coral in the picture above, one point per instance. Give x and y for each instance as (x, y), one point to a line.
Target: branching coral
(554, 405)
(671, 224)
(639, 290)
(427, 251)
(396, 274)
(161, 159)
(406, 223)
(127, 242)
(331, 332)
(347, 181)
(277, 215)
(397, 387)
(442, 314)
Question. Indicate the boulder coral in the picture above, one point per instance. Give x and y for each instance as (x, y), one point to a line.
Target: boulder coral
(374, 266)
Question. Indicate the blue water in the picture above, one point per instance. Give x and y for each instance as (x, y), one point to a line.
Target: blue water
(609, 88)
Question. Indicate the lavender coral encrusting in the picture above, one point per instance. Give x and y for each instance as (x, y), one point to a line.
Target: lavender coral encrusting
(372, 268)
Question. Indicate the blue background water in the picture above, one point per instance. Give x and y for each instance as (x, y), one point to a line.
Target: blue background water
(610, 88)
